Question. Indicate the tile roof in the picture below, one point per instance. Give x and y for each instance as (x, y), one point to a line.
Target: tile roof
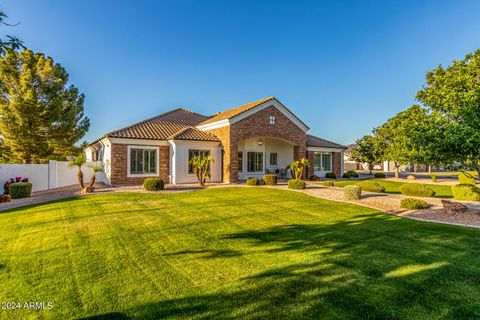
(192, 133)
(230, 113)
(161, 127)
(313, 141)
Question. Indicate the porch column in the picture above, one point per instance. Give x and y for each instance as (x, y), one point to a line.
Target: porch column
(300, 151)
(310, 157)
(337, 163)
(233, 162)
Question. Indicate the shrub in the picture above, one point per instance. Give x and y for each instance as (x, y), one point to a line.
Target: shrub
(252, 181)
(464, 179)
(345, 176)
(352, 192)
(7, 184)
(352, 174)
(153, 184)
(314, 178)
(416, 189)
(413, 204)
(270, 179)
(371, 186)
(434, 177)
(330, 175)
(466, 192)
(328, 183)
(379, 175)
(20, 190)
(296, 184)
(411, 177)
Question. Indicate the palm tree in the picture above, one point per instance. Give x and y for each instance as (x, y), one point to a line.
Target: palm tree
(298, 166)
(78, 162)
(95, 169)
(200, 165)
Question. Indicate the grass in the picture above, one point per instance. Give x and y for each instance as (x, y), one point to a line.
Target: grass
(233, 253)
(441, 191)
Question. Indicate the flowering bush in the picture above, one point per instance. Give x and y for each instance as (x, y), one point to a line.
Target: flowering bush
(7, 184)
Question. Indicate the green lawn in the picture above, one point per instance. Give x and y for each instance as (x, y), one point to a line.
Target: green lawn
(234, 253)
(442, 191)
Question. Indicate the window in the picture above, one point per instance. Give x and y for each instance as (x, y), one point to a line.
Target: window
(273, 159)
(240, 161)
(192, 153)
(322, 162)
(255, 161)
(272, 119)
(143, 161)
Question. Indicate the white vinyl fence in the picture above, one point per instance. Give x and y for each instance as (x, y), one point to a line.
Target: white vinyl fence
(53, 175)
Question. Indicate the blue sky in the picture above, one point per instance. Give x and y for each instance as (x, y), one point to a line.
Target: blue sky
(343, 67)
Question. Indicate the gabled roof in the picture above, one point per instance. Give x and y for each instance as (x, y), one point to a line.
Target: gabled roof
(161, 127)
(313, 141)
(193, 133)
(230, 113)
(350, 147)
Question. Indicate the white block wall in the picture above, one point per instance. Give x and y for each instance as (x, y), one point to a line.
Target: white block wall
(53, 175)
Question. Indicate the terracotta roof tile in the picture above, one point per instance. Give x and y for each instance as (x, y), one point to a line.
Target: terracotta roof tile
(160, 127)
(230, 113)
(194, 134)
(313, 141)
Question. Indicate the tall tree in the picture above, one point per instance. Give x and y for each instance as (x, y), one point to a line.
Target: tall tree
(404, 137)
(452, 94)
(40, 116)
(367, 151)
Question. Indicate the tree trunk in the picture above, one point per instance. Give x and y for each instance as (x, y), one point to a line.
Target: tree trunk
(92, 181)
(370, 167)
(429, 168)
(397, 167)
(80, 178)
(415, 168)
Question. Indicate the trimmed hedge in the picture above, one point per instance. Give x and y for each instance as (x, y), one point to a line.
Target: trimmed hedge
(464, 179)
(296, 184)
(352, 192)
(153, 184)
(314, 178)
(434, 177)
(19, 190)
(346, 176)
(413, 204)
(466, 192)
(371, 186)
(411, 177)
(330, 175)
(417, 190)
(270, 179)
(252, 181)
(379, 175)
(352, 174)
(328, 183)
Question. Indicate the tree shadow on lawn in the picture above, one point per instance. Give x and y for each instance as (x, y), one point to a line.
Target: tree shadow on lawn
(368, 267)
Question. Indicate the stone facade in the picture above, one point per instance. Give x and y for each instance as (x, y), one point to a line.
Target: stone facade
(258, 125)
(119, 165)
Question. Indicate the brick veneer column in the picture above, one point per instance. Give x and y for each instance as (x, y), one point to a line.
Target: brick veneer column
(310, 157)
(119, 165)
(337, 163)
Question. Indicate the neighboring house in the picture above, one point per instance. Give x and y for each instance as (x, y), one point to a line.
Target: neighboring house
(246, 141)
(351, 164)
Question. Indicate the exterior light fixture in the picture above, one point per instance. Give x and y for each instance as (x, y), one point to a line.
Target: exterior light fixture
(260, 142)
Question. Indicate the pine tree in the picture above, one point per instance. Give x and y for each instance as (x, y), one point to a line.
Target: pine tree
(40, 117)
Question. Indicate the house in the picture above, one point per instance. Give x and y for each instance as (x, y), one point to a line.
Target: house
(352, 164)
(246, 141)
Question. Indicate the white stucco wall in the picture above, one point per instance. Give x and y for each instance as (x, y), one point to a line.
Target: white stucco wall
(179, 160)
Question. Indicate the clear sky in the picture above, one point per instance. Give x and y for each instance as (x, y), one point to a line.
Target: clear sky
(343, 67)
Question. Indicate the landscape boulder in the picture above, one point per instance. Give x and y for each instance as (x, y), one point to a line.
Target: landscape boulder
(451, 207)
(5, 198)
